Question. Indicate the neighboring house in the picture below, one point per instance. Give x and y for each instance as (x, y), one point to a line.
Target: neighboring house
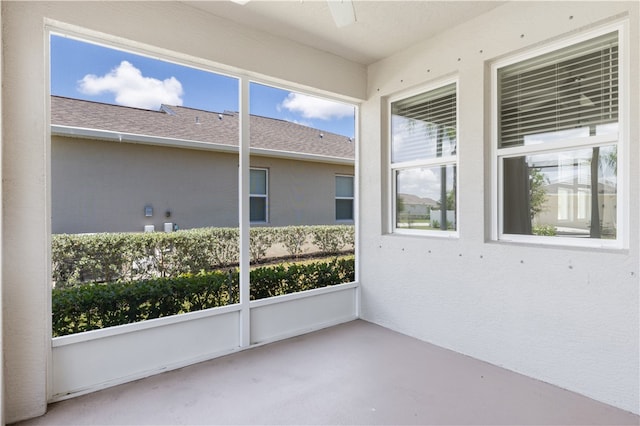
(420, 207)
(568, 208)
(117, 168)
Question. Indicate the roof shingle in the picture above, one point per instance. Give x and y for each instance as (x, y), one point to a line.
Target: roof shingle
(177, 122)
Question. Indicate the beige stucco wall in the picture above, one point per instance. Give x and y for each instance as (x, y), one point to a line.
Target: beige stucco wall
(301, 193)
(568, 316)
(184, 34)
(100, 186)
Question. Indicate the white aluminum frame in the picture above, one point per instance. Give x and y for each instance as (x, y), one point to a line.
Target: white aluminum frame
(619, 139)
(440, 161)
(313, 309)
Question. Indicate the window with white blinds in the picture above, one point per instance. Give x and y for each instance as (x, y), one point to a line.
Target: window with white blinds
(574, 87)
(558, 119)
(424, 125)
(424, 161)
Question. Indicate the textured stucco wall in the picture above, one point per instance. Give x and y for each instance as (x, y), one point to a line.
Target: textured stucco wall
(301, 193)
(566, 316)
(184, 34)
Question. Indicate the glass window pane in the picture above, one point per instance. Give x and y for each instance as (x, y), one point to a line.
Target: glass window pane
(571, 193)
(424, 126)
(344, 186)
(420, 193)
(258, 209)
(258, 182)
(344, 209)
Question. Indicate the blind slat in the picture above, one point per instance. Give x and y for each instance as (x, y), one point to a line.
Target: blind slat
(570, 88)
(424, 126)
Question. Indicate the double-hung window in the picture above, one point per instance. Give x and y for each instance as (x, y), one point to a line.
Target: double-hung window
(424, 161)
(558, 144)
(344, 198)
(258, 195)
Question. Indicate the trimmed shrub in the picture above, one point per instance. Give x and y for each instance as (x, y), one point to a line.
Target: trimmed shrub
(293, 238)
(548, 230)
(331, 239)
(260, 240)
(116, 257)
(94, 306)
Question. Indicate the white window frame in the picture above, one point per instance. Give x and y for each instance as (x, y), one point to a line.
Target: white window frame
(619, 139)
(451, 160)
(265, 195)
(352, 198)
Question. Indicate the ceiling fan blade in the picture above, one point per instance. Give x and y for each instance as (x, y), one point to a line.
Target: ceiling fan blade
(343, 12)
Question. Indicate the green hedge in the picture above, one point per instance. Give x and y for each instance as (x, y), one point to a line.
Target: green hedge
(94, 306)
(112, 257)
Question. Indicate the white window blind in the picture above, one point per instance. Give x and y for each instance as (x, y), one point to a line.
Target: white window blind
(574, 87)
(424, 161)
(424, 125)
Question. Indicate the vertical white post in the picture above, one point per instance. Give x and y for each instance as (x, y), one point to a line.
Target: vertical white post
(243, 174)
(356, 211)
(1, 243)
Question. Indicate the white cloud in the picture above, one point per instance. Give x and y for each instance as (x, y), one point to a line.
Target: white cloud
(311, 107)
(422, 182)
(132, 89)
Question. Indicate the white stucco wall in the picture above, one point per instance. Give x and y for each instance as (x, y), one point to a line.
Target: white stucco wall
(26, 170)
(566, 316)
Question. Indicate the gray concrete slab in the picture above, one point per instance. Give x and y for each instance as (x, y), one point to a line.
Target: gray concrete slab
(355, 373)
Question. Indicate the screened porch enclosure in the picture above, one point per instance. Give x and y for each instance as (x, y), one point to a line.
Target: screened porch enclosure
(505, 234)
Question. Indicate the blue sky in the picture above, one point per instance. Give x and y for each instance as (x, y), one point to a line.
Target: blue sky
(88, 71)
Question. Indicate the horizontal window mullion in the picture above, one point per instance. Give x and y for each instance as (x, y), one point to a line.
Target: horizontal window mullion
(444, 161)
(590, 142)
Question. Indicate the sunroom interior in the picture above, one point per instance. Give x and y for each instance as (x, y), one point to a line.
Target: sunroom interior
(487, 278)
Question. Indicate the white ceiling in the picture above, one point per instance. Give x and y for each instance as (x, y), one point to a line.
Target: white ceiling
(382, 28)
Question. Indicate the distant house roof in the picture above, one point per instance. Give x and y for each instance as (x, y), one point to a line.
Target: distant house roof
(80, 118)
(414, 199)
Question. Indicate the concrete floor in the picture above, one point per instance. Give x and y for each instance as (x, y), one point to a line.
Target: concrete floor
(355, 373)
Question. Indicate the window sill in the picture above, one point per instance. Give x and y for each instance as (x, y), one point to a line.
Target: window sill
(562, 242)
(425, 233)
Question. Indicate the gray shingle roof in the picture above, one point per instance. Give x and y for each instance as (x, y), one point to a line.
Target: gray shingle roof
(178, 122)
